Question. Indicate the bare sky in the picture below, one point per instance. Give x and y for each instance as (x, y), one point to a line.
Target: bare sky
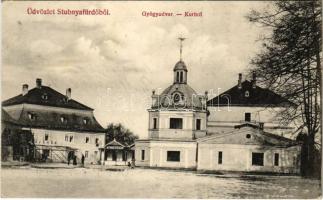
(112, 63)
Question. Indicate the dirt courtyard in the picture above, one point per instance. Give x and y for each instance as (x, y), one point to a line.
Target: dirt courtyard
(149, 183)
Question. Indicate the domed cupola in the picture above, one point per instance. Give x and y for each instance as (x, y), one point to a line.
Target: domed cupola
(180, 69)
(180, 72)
(179, 95)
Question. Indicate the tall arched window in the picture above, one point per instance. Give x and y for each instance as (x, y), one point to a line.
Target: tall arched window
(181, 78)
(177, 77)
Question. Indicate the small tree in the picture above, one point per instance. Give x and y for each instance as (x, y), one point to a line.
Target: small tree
(120, 133)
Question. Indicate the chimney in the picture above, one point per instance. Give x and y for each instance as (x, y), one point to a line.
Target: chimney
(154, 99)
(24, 89)
(254, 82)
(240, 81)
(68, 93)
(38, 82)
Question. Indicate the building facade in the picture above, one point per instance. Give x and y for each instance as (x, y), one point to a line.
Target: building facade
(247, 102)
(117, 154)
(249, 149)
(177, 118)
(16, 144)
(61, 127)
(235, 131)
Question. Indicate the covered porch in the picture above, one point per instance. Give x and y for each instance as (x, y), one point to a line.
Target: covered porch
(116, 153)
(54, 153)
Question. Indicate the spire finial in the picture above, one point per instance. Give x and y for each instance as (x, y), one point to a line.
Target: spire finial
(181, 39)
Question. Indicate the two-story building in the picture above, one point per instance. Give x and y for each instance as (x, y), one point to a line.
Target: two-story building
(60, 125)
(248, 103)
(177, 118)
(235, 131)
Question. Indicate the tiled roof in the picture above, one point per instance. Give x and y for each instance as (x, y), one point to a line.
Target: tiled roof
(256, 137)
(45, 96)
(60, 120)
(257, 97)
(82, 120)
(5, 117)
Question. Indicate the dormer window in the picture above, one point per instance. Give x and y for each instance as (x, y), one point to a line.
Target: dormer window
(246, 94)
(85, 121)
(63, 119)
(31, 116)
(44, 96)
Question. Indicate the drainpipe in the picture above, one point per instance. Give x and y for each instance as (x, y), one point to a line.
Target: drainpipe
(197, 154)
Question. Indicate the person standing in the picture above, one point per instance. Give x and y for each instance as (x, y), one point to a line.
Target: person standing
(82, 159)
(74, 160)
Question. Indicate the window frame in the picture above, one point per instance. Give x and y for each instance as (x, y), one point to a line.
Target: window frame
(220, 157)
(155, 123)
(276, 159)
(171, 158)
(71, 138)
(254, 161)
(181, 76)
(143, 154)
(198, 123)
(172, 125)
(96, 141)
(247, 116)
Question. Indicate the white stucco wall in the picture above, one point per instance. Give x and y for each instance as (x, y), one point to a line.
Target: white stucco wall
(156, 154)
(223, 119)
(189, 124)
(239, 158)
(57, 138)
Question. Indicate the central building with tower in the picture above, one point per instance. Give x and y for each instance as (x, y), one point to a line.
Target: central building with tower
(177, 118)
(186, 130)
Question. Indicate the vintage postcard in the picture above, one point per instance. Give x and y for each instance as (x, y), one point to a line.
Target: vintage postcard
(161, 99)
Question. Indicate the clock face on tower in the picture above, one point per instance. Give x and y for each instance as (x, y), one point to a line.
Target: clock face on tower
(177, 98)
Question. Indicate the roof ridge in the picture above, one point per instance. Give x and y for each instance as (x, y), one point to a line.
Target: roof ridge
(56, 99)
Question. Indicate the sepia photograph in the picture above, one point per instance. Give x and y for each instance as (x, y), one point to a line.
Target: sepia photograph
(161, 99)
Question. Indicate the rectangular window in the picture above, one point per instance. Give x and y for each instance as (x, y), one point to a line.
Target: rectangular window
(142, 154)
(96, 141)
(247, 117)
(176, 123)
(46, 137)
(66, 138)
(258, 159)
(198, 124)
(220, 157)
(87, 139)
(173, 156)
(276, 160)
(155, 123)
(71, 138)
(86, 154)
